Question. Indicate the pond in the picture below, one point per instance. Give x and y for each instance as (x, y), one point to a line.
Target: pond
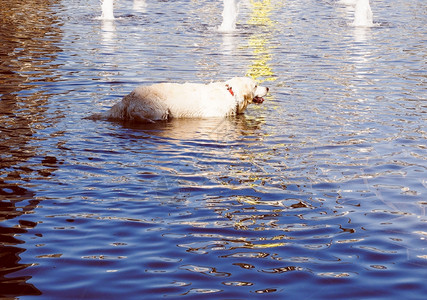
(318, 193)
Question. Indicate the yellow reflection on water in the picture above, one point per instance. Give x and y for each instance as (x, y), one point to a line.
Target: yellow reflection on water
(261, 13)
(268, 245)
(260, 43)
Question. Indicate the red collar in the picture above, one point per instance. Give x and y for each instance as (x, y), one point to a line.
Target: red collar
(230, 89)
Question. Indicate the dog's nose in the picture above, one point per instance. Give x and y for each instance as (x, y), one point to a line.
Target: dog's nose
(267, 89)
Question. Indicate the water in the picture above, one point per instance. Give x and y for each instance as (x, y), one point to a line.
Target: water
(318, 193)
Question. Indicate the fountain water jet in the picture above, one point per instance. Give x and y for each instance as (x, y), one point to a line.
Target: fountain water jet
(229, 16)
(363, 14)
(107, 10)
(348, 2)
(140, 5)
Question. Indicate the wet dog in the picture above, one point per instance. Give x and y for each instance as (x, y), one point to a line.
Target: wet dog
(166, 101)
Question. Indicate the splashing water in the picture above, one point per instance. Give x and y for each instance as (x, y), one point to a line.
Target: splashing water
(348, 2)
(229, 16)
(363, 14)
(107, 10)
(140, 5)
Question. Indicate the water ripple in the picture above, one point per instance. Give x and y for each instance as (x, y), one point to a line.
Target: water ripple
(317, 193)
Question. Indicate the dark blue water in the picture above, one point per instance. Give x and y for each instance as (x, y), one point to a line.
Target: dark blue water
(318, 193)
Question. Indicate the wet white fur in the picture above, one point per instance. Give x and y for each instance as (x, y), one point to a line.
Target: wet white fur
(188, 100)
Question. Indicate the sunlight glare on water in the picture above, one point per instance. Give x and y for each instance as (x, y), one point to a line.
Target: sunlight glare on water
(318, 193)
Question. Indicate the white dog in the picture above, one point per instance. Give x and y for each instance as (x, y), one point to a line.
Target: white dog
(165, 101)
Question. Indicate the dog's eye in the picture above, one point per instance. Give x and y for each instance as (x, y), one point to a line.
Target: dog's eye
(256, 86)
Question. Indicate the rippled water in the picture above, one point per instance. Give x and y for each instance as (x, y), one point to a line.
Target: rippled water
(319, 193)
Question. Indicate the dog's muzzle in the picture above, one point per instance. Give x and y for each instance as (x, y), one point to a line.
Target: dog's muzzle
(258, 100)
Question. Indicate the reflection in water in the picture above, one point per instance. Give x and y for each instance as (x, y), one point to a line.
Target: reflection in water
(361, 53)
(361, 34)
(260, 43)
(108, 28)
(261, 70)
(228, 45)
(140, 5)
(319, 199)
(29, 33)
(252, 176)
(12, 286)
(218, 130)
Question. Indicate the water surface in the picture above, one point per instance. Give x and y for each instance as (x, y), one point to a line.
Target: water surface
(319, 193)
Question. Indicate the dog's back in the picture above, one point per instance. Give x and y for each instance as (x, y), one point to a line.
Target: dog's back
(163, 101)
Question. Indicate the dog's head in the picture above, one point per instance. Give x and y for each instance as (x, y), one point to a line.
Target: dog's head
(245, 90)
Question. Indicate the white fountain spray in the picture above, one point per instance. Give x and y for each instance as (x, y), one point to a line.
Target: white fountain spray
(229, 16)
(363, 14)
(348, 2)
(107, 7)
(140, 5)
